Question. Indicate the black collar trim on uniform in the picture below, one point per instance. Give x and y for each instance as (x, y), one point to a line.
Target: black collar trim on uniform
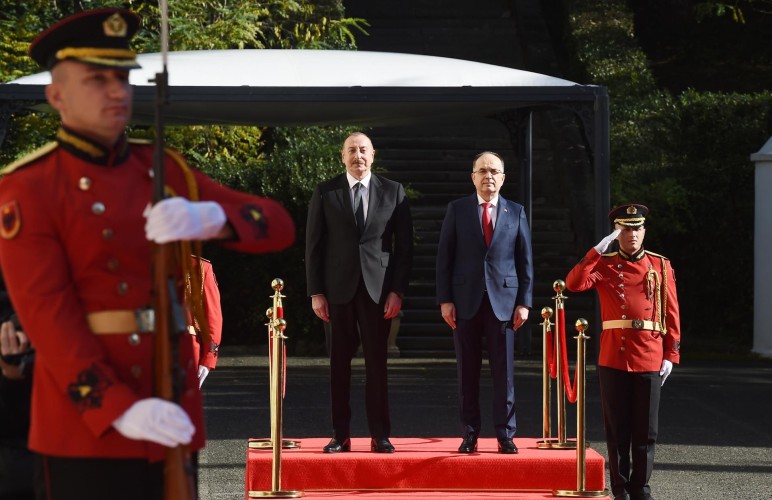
(88, 150)
(632, 258)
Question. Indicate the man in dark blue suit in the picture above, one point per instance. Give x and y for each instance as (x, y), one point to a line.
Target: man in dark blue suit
(359, 249)
(484, 288)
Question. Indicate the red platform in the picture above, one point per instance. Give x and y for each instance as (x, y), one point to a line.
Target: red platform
(428, 468)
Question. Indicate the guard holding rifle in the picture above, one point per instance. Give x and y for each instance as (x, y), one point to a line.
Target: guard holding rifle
(640, 342)
(76, 246)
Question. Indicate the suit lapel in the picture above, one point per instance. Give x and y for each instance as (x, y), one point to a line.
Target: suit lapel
(343, 195)
(473, 213)
(376, 196)
(502, 214)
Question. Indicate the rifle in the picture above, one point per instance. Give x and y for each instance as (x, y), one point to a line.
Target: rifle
(169, 324)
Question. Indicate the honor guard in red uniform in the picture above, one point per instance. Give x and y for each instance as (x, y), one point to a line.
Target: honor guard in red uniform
(206, 345)
(639, 344)
(76, 241)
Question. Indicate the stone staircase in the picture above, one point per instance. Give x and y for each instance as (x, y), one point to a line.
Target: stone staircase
(434, 160)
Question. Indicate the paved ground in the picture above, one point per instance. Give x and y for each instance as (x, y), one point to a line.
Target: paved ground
(715, 425)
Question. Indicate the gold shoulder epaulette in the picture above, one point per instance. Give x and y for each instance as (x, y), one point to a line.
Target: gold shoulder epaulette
(610, 254)
(135, 140)
(656, 255)
(26, 160)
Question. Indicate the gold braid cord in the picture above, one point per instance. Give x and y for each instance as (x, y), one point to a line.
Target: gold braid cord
(660, 295)
(188, 253)
(652, 276)
(663, 311)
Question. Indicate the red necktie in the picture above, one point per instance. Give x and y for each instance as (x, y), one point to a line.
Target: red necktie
(487, 224)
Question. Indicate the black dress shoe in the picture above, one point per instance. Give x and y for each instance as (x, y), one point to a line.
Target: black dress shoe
(469, 444)
(382, 445)
(338, 445)
(506, 445)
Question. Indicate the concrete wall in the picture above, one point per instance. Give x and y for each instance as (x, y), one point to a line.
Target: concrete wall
(762, 253)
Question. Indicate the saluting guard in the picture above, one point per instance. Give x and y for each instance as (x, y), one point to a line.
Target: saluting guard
(639, 344)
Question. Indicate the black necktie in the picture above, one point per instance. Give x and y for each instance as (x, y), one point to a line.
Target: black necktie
(359, 210)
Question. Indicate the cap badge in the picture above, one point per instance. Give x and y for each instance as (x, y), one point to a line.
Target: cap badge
(115, 25)
(632, 210)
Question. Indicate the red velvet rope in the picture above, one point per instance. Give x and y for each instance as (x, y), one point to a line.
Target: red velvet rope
(551, 356)
(570, 389)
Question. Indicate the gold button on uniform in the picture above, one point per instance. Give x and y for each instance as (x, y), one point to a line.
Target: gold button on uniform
(134, 339)
(107, 233)
(84, 183)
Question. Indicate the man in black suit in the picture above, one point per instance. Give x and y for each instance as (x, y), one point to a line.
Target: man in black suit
(359, 247)
(484, 288)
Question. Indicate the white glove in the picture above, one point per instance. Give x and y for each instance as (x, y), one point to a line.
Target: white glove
(203, 371)
(176, 219)
(156, 420)
(605, 242)
(667, 367)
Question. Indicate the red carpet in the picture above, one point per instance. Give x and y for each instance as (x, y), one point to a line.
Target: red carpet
(428, 468)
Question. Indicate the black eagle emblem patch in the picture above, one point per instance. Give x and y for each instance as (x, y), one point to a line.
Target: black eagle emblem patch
(86, 391)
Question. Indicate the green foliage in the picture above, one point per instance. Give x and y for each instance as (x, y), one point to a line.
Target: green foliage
(250, 24)
(719, 9)
(687, 158)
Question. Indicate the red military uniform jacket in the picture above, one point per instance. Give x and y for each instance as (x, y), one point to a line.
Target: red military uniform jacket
(628, 290)
(205, 353)
(72, 242)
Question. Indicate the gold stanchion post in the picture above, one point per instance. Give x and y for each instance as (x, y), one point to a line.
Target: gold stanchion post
(262, 444)
(278, 325)
(581, 363)
(562, 442)
(546, 382)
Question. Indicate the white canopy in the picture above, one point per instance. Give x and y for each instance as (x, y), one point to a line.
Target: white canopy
(323, 87)
(323, 68)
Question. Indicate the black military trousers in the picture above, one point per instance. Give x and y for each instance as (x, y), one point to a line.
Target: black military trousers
(64, 478)
(630, 403)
